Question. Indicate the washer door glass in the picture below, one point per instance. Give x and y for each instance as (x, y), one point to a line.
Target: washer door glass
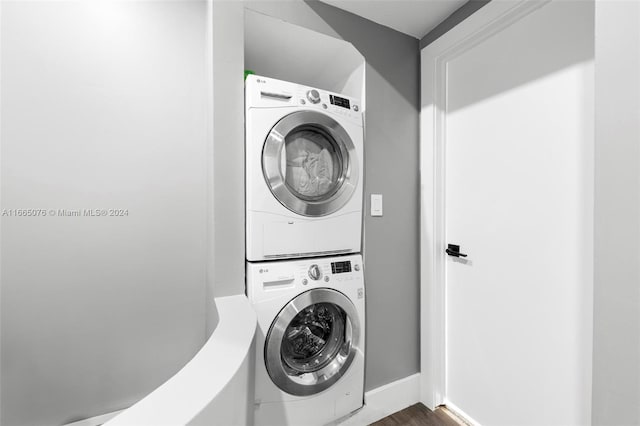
(309, 163)
(313, 338)
(311, 343)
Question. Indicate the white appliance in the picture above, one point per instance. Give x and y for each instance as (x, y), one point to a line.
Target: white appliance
(304, 155)
(310, 340)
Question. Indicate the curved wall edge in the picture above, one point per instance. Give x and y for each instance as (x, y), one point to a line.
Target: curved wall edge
(207, 389)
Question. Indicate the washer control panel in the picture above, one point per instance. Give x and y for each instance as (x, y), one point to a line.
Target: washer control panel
(268, 279)
(333, 271)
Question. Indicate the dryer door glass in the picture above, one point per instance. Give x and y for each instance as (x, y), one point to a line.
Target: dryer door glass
(310, 163)
(314, 164)
(312, 342)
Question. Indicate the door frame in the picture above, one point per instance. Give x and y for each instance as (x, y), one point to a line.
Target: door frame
(487, 21)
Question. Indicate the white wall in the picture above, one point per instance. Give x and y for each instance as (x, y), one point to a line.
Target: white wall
(104, 105)
(616, 354)
(227, 273)
(216, 386)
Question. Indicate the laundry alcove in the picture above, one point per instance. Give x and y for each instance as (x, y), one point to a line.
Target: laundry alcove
(278, 49)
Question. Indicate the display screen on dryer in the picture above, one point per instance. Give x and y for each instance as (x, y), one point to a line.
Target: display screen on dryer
(341, 102)
(340, 267)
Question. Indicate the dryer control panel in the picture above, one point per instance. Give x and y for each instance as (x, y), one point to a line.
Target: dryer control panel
(265, 92)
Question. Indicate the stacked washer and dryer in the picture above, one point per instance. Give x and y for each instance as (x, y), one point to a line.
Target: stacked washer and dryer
(304, 190)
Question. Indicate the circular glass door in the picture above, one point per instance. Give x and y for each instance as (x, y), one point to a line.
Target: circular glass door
(309, 163)
(311, 343)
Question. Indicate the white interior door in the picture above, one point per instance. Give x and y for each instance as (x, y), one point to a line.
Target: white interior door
(517, 139)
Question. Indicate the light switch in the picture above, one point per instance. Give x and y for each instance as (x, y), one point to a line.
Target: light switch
(376, 204)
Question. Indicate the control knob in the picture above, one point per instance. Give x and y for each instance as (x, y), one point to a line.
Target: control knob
(314, 272)
(314, 96)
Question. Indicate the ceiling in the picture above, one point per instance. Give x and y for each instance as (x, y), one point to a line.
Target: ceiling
(413, 17)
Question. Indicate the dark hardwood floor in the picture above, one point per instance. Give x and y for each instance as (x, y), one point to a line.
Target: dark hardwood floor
(418, 415)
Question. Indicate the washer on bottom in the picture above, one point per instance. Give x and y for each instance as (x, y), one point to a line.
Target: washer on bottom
(310, 340)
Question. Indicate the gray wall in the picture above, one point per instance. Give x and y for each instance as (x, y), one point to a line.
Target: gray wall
(616, 352)
(104, 105)
(391, 168)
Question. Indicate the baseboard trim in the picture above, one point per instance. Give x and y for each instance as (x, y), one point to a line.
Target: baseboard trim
(96, 420)
(385, 400)
(395, 396)
(464, 417)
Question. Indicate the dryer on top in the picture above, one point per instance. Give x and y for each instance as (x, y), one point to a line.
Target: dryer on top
(303, 170)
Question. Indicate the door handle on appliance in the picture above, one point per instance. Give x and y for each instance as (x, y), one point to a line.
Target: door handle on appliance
(454, 250)
(282, 96)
